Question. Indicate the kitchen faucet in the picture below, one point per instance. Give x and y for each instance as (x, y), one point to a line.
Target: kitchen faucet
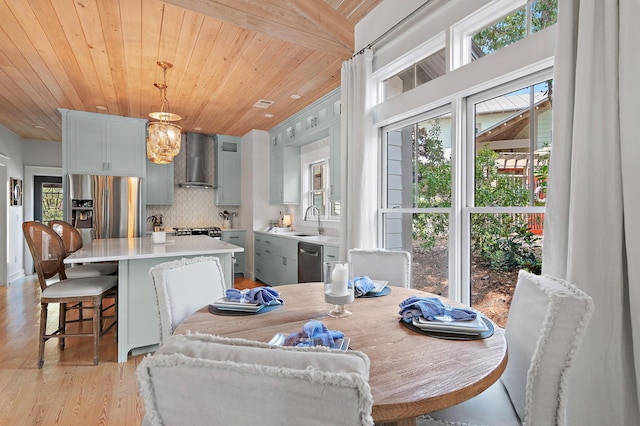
(317, 210)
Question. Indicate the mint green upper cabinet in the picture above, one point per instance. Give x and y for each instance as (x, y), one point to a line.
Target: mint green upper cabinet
(103, 144)
(335, 105)
(316, 118)
(284, 176)
(159, 182)
(228, 165)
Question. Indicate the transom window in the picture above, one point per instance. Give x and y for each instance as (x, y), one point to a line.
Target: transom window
(427, 69)
(532, 17)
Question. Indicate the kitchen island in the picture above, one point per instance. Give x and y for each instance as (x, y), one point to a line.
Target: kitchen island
(138, 319)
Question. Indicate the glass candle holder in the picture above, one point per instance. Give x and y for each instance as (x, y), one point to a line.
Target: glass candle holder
(338, 287)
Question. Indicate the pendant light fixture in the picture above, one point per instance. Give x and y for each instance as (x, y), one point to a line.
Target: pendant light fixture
(163, 142)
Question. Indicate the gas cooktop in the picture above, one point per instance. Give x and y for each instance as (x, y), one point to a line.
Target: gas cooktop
(212, 231)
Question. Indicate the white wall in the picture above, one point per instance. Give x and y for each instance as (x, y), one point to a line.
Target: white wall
(11, 253)
(42, 153)
(256, 211)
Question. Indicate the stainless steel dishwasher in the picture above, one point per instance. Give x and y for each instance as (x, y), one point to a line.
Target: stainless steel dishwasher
(309, 262)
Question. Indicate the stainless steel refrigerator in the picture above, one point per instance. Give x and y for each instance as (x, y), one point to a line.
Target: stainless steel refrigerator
(105, 206)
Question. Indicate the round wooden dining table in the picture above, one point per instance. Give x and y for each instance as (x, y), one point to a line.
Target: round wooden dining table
(410, 374)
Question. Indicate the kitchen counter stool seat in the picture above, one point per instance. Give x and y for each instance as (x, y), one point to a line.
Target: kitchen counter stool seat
(47, 250)
(72, 242)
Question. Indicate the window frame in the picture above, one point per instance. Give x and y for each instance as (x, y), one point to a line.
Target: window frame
(317, 152)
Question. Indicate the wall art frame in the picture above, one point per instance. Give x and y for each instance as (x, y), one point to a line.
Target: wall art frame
(15, 192)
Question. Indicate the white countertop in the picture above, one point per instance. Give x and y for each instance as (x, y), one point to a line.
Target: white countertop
(109, 249)
(301, 236)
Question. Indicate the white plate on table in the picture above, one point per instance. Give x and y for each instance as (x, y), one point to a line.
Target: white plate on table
(475, 326)
(279, 338)
(225, 304)
(379, 286)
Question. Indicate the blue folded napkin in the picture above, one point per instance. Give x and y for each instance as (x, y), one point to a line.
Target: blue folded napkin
(261, 295)
(363, 285)
(430, 308)
(314, 333)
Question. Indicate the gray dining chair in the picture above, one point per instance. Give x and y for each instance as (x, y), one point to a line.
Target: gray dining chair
(183, 286)
(201, 379)
(393, 266)
(547, 320)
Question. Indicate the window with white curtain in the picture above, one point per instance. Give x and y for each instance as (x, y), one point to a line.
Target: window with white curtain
(463, 157)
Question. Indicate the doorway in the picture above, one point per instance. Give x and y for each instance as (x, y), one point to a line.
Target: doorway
(31, 188)
(47, 198)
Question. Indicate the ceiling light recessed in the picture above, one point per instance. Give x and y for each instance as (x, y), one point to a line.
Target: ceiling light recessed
(294, 96)
(263, 103)
(101, 107)
(39, 127)
(269, 115)
(197, 128)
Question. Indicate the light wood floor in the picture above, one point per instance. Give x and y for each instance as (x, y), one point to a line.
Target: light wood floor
(69, 389)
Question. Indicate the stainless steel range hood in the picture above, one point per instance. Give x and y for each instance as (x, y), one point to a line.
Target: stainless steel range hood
(197, 161)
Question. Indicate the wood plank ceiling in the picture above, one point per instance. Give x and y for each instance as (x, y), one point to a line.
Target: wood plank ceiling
(100, 56)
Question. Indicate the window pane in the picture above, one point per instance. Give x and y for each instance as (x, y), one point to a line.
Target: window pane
(544, 13)
(317, 176)
(419, 164)
(430, 68)
(51, 202)
(427, 69)
(317, 199)
(335, 208)
(509, 144)
(425, 236)
(501, 245)
(533, 17)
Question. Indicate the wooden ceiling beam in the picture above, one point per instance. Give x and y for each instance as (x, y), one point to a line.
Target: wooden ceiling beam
(327, 19)
(310, 32)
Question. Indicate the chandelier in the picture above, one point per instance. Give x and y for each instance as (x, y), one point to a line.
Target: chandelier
(163, 142)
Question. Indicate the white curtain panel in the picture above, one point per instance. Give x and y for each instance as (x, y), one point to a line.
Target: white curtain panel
(359, 156)
(592, 225)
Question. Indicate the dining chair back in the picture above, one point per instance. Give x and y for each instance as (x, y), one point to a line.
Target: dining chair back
(47, 250)
(72, 241)
(393, 266)
(183, 286)
(547, 320)
(201, 379)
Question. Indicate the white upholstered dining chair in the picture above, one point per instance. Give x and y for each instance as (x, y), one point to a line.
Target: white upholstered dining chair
(393, 266)
(201, 379)
(546, 323)
(183, 286)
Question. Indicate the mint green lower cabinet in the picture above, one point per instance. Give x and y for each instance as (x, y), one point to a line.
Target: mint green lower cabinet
(331, 253)
(237, 238)
(275, 260)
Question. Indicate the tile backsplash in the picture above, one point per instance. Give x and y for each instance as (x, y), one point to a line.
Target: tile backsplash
(191, 208)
